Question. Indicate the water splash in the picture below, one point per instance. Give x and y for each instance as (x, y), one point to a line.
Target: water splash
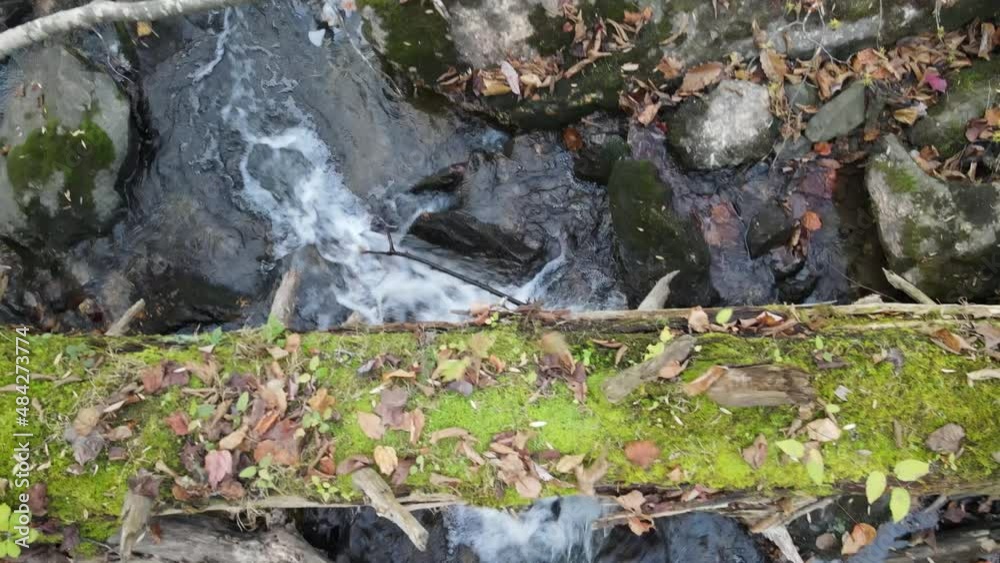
(288, 174)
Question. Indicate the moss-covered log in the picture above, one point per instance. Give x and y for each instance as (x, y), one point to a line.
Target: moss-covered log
(885, 410)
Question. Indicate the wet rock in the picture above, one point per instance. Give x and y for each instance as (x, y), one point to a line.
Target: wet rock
(653, 240)
(688, 538)
(526, 211)
(729, 126)
(801, 94)
(604, 143)
(770, 227)
(68, 129)
(361, 536)
(315, 307)
(967, 98)
(940, 236)
(838, 117)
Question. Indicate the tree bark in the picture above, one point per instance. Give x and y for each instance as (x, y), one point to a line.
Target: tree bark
(100, 12)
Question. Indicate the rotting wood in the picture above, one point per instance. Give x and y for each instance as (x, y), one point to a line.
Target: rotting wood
(623, 384)
(381, 499)
(121, 326)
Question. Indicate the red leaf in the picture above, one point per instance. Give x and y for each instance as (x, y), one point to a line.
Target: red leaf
(178, 422)
(642, 453)
(219, 465)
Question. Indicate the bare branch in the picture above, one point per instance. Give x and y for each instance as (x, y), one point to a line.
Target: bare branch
(101, 11)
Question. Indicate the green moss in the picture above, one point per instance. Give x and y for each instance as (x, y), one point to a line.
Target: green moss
(78, 155)
(692, 433)
(899, 180)
(417, 38)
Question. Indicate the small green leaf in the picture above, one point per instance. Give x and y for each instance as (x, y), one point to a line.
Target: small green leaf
(243, 402)
(273, 329)
(11, 549)
(216, 336)
(875, 486)
(249, 472)
(723, 316)
(832, 409)
(304, 378)
(814, 466)
(4, 517)
(899, 503)
(819, 342)
(793, 448)
(666, 335)
(911, 469)
(653, 350)
(314, 363)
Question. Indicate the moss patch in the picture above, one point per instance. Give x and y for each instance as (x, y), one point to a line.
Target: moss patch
(416, 41)
(693, 433)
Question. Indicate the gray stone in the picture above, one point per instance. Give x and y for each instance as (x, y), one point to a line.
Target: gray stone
(968, 97)
(68, 129)
(838, 117)
(941, 236)
(770, 227)
(801, 94)
(729, 126)
(653, 240)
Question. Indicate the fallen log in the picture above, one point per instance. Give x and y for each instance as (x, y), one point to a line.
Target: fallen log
(493, 414)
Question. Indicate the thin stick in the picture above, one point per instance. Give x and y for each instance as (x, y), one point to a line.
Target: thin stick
(902, 284)
(120, 327)
(403, 254)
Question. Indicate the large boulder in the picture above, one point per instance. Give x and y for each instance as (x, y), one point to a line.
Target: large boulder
(944, 237)
(653, 240)
(729, 126)
(969, 94)
(67, 129)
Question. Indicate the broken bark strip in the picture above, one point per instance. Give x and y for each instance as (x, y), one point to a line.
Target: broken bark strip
(121, 326)
(697, 439)
(380, 498)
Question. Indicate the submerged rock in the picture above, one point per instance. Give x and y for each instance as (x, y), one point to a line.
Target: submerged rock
(727, 127)
(838, 117)
(969, 95)
(67, 127)
(653, 240)
(941, 236)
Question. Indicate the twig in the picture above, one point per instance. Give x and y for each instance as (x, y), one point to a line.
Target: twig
(120, 327)
(403, 254)
(659, 294)
(900, 283)
(380, 498)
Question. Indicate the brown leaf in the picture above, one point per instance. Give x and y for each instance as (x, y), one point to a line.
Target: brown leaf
(990, 334)
(450, 433)
(38, 499)
(391, 405)
(385, 459)
(860, 536)
(632, 502)
(671, 370)
(569, 463)
(756, 453)
(951, 341)
(274, 395)
(698, 320)
(281, 452)
(152, 379)
(219, 465)
(773, 65)
(233, 440)
(371, 425)
(572, 139)
(823, 148)
(528, 486)
(947, 439)
(178, 422)
(321, 401)
(639, 525)
(648, 113)
(704, 381)
(811, 221)
(399, 374)
(642, 453)
(670, 67)
(119, 433)
(86, 420)
(587, 477)
(823, 430)
(700, 77)
(230, 489)
(352, 464)
(417, 421)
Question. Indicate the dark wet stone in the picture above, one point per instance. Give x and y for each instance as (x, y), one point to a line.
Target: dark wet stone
(689, 538)
(652, 239)
(462, 232)
(770, 227)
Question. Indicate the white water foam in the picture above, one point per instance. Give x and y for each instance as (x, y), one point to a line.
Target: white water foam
(318, 209)
(553, 530)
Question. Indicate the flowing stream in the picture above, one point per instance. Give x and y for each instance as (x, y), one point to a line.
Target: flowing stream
(313, 206)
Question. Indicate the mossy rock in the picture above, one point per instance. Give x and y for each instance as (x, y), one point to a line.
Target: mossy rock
(652, 239)
(68, 137)
(969, 93)
(941, 236)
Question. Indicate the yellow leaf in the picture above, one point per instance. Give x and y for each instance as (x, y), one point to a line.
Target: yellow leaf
(143, 28)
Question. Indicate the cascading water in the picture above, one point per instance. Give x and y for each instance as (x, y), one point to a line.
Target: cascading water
(288, 174)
